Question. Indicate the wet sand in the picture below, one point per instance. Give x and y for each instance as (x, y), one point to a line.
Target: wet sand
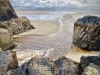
(39, 43)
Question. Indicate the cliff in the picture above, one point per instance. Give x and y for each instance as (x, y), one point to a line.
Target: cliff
(6, 11)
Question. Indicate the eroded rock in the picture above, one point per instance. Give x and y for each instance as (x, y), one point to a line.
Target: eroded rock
(8, 61)
(5, 39)
(87, 33)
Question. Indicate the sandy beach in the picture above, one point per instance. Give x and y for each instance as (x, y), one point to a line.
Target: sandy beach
(39, 43)
(43, 28)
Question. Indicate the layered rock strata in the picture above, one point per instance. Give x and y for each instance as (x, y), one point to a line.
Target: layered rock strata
(87, 33)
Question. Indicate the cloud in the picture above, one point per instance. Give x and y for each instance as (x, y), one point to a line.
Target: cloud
(68, 3)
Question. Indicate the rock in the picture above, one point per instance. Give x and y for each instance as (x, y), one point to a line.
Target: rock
(16, 26)
(10, 21)
(87, 33)
(6, 11)
(5, 39)
(8, 61)
(85, 61)
(64, 66)
(43, 66)
(92, 69)
(0, 50)
(36, 66)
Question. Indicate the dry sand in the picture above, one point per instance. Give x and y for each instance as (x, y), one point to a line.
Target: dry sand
(43, 28)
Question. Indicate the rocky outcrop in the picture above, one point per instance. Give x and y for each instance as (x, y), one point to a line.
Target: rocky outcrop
(64, 66)
(5, 39)
(8, 61)
(10, 21)
(92, 69)
(85, 61)
(43, 66)
(11, 24)
(16, 26)
(87, 33)
(6, 11)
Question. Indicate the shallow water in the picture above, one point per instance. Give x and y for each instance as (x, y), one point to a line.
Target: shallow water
(48, 16)
(54, 46)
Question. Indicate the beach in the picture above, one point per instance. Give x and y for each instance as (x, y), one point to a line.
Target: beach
(51, 38)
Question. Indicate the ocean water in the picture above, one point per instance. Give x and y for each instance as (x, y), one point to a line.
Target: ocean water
(53, 15)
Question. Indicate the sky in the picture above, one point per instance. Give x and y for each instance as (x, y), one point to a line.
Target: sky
(84, 4)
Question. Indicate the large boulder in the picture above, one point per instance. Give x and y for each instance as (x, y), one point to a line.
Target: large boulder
(8, 61)
(5, 39)
(43, 66)
(87, 33)
(64, 66)
(92, 69)
(86, 60)
(6, 11)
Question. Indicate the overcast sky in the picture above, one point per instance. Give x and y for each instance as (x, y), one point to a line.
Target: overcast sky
(90, 4)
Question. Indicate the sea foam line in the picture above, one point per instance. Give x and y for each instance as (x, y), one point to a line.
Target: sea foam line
(61, 24)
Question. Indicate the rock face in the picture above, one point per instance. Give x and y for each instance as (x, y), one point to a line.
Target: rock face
(16, 26)
(92, 69)
(5, 39)
(87, 33)
(85, 61)
(43, 66)
(6, 11)
(64, 66)
(8, 61)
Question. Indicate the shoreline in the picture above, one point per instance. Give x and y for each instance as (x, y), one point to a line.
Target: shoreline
(60, 22)
(38, 43)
